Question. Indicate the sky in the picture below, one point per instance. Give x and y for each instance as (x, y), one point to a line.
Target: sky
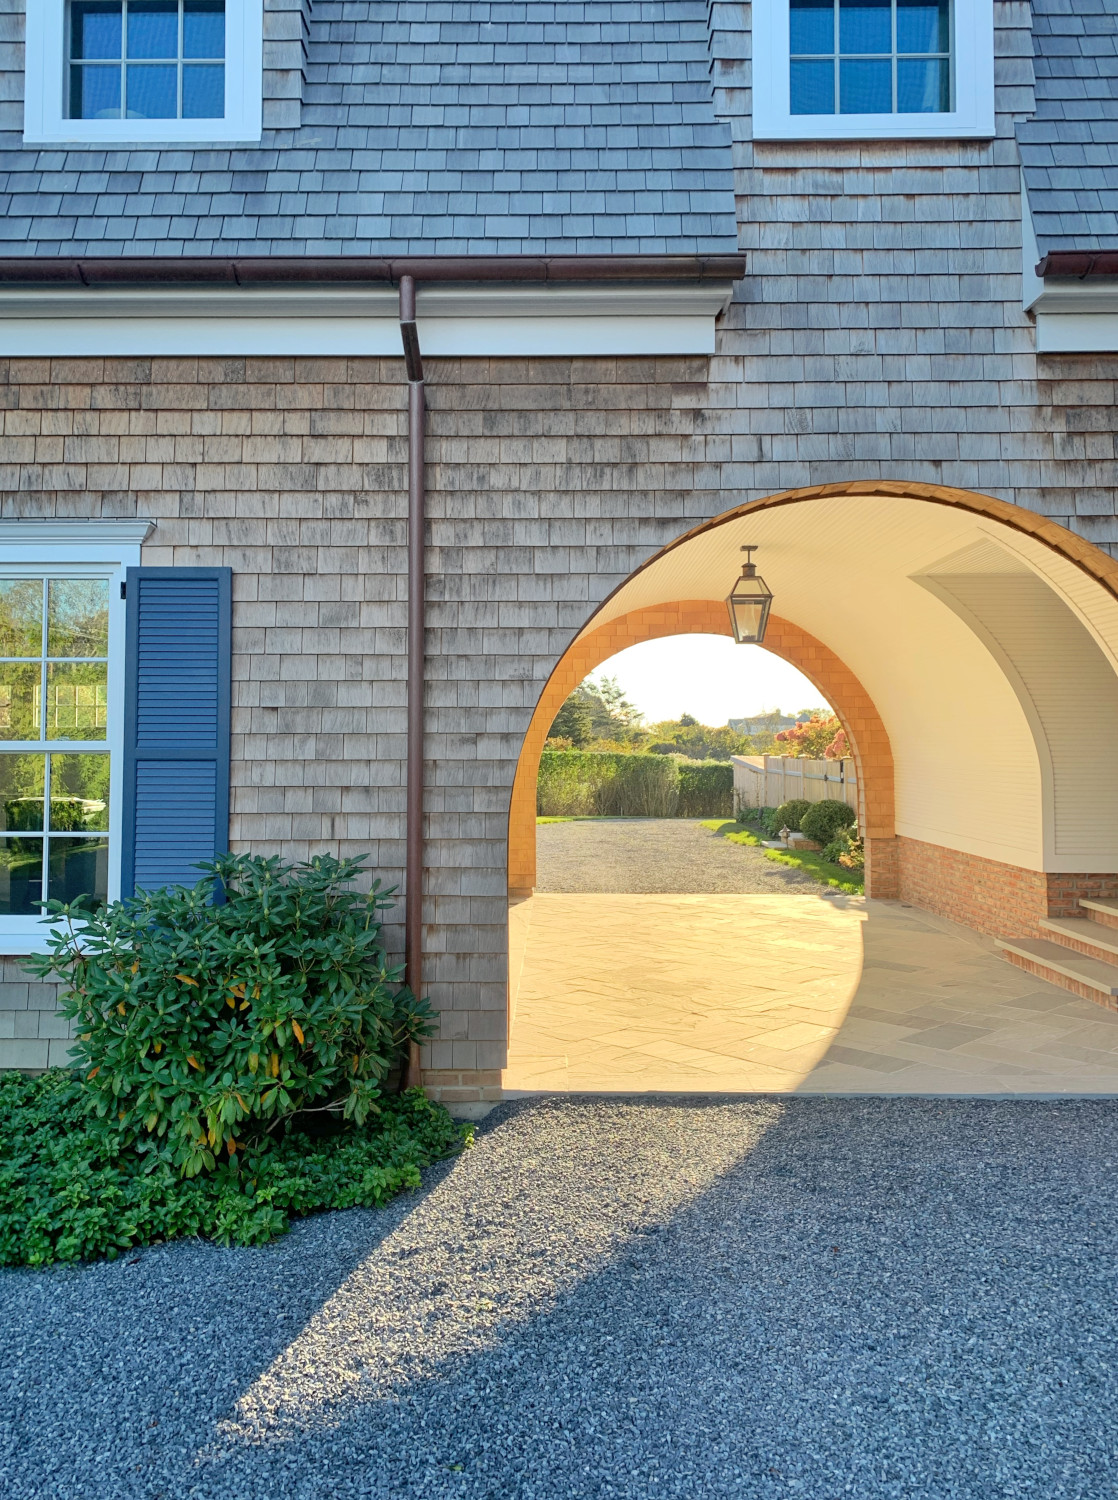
(709, 677)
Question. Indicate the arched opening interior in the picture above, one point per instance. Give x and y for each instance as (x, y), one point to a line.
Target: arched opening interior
(969, 650)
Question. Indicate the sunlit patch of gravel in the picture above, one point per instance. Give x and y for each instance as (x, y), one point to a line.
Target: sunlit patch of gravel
(903, 1298)
(664, 856)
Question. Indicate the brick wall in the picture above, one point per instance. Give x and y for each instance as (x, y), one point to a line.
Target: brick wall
(999, 899)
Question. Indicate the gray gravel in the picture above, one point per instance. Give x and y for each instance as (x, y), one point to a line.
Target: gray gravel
(672, 856)
(812, 1297)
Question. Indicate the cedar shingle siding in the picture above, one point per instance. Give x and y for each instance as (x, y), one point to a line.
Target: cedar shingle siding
(878, 334)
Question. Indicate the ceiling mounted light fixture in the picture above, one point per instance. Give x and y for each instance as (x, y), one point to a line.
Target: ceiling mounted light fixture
(749, 604)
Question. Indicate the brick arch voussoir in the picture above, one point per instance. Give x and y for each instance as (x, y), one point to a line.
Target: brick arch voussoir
(869, 741)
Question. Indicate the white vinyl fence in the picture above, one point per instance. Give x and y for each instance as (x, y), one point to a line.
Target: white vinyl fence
(769, 780)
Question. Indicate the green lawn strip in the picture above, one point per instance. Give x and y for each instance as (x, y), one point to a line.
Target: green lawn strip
(811, 864)
(68, 1193)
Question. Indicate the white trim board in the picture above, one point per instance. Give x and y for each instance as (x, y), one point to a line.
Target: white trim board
(973, 57)
(44, 118)
(1077, 332)
(370, 337)
(514, 321)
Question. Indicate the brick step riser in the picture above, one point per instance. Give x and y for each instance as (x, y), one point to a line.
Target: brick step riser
(1051, 976)
(1103, 918)
(1087, 949)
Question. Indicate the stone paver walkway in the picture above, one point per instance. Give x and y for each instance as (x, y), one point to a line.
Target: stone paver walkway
(814, 994)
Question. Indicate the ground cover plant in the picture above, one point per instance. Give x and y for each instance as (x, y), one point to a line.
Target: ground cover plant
(818, 866)
(235, 1058)
(74, 1188)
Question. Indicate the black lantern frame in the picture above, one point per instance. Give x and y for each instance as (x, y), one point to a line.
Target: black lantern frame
(749, 604)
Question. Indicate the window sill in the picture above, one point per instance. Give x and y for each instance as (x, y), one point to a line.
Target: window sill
(142, 133)
(872, 128)
(23, 938)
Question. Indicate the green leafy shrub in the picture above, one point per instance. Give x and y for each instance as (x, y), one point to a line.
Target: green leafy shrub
(757, 818)
(823, 820)
(788, 815)
(205, 1028)
(846, 849)
(72, 1189)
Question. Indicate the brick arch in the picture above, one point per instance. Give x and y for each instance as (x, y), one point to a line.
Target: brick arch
(868, 739)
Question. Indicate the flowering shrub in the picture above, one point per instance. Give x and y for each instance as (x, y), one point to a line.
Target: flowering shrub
(809, 739)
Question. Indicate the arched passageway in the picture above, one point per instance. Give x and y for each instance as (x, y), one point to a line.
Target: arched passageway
(970, 650)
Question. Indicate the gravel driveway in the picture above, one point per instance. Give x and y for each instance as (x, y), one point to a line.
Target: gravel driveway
(808, 1297)
(668, 856)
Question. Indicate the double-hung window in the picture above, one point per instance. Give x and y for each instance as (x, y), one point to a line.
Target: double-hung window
(147, 59)
(101, 72)
(59, 686)
(870, 57)
(861, 69)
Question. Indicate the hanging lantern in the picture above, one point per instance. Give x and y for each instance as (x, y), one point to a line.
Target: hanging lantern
(749, 604)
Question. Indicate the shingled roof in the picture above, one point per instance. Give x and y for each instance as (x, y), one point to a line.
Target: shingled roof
(426, 128)
(1069, 149)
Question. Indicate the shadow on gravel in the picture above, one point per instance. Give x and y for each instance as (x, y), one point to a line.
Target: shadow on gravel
(819, 1297)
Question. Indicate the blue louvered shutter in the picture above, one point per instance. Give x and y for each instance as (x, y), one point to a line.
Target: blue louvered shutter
(176, 724)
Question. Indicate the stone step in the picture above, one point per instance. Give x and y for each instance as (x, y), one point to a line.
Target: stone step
(1104, 913)
(1102, 942)
(1089, 977)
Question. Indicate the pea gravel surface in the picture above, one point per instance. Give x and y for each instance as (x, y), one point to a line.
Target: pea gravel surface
(665, 856)
(798, 1297)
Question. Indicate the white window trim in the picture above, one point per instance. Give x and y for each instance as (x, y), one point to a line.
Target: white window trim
(44, 112)
(88, 549)
(973, 115)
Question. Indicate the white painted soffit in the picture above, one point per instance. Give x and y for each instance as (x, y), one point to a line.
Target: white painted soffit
(487, 320)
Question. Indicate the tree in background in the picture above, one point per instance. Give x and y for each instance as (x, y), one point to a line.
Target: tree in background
(572, 723)
(597, 711)
(686, 736)
(810, 739)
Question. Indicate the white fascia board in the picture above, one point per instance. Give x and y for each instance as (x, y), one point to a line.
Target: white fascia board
(972, 117)
(44, 117)
(461, 321)
(1077, 332)
(1032, 287)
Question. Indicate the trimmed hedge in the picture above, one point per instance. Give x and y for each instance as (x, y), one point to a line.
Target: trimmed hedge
(706, 789)
(823, 820)
(788, 815)
(607, 783)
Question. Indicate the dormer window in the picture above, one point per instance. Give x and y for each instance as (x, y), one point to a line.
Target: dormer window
(109, 72)
(870, 57)
(147, 59)
(872, 69)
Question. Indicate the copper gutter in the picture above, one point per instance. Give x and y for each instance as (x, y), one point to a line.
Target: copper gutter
(276, 270)
(1080, 263)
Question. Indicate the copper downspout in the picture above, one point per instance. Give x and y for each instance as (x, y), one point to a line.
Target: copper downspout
(413, 858)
